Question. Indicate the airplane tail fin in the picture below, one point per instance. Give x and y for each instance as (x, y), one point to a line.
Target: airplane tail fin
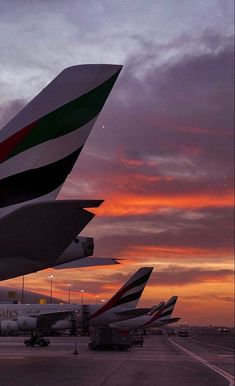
(129, 294)
(39, 147)
(168, 309)
(164, 312)
(154, 309)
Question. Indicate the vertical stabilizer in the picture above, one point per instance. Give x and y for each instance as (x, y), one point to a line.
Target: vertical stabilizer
(164, 313)
(129, 294)
(39, 147)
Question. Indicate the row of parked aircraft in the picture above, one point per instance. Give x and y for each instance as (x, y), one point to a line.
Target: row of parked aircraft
(120, 311)
(38, 149)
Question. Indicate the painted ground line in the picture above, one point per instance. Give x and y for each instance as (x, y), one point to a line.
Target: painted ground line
(214, 345)
(223, 373)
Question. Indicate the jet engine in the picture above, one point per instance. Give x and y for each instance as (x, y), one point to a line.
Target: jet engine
(65, 324)
(81, 247)
(26, 323)
(8, 327)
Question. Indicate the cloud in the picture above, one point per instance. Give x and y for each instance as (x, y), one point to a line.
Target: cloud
(98, 285)
(179, 276)
(170, 132)
(173, 232)
(9, 110)
(187, 107)
(164, 159)
(161, 154)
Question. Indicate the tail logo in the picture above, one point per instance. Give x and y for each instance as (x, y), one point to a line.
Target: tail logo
(126, 294)
(164, 311)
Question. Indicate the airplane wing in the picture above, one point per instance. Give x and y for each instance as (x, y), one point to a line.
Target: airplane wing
(43, 320)
(40, 145)
(35, 235)
(87, 262)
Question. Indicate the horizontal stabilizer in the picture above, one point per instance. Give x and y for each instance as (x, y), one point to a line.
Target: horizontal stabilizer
(41, 231)
(86, 203)
(87, 262)
(17, 266)
(169, 320)
(133, 313)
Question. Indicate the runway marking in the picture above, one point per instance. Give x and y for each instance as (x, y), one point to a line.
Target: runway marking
(215, 345)
(12, 357)
(223, 373)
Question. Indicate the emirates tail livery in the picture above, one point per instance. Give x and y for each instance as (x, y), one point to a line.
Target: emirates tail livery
(123, 304)
(38, 149)
(158, 316)
(162, 316)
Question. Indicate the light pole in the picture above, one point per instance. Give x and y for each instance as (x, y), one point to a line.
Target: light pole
(69, 286)
(82, 292)
(22, 291)
(51, 279)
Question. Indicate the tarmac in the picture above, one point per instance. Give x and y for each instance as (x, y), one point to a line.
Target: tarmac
(162, 361)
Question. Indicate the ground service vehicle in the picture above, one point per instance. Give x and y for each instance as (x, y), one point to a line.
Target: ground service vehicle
(138, 340)
(110, 338)
(183, 333)
(37, 341)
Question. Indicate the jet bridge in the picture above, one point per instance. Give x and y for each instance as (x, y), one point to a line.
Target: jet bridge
(84, 319)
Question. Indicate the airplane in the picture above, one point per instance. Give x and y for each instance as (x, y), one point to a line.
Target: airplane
(38, 149)
(158, 316)
(35, 236)
(38, 317)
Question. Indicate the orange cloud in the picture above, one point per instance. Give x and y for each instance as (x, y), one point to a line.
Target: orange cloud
(172, 252)
(135, 204)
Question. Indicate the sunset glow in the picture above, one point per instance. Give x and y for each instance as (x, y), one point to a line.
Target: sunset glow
(161, 154)
(119, 206)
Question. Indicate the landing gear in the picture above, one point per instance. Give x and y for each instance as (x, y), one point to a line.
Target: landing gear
(36, 340)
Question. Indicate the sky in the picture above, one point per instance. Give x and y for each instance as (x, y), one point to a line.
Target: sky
(161, 152)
